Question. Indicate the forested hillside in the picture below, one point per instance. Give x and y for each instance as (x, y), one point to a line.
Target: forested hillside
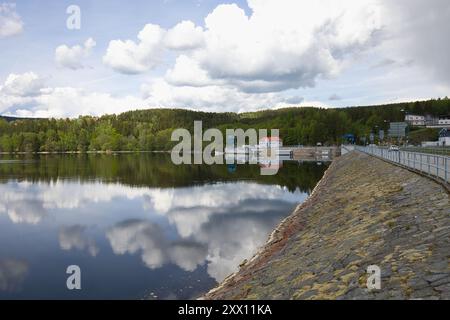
(150, 130)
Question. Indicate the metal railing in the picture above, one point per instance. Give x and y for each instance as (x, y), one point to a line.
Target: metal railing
(433, 165)
(445, 151)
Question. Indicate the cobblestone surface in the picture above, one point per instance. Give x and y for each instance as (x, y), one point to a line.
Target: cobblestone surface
(363, 212)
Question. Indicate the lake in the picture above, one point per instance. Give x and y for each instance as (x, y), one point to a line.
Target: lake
(138, 226)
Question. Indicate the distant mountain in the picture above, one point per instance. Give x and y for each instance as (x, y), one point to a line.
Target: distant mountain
(10, 119)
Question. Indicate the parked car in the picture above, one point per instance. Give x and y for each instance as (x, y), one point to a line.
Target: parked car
(394, 148)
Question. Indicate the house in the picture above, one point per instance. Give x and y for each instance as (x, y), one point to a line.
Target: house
(444, 138)
(444, 121)
(270, 142)
(415, 120)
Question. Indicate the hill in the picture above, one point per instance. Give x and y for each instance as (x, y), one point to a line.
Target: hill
(150, 130)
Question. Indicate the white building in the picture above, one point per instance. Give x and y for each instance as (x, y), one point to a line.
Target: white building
(444, 121)
(415, 120)
(444, 138)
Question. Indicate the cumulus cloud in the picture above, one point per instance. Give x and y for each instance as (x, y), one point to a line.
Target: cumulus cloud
(187, 72)
(212, 97)
(243, 61)
(10, 22)
(75, 237)
(281, 45)
(22, 85)
(26, 95)
(72, 57)
(184, 36)
(287, 44)
(130, 57)
(70, 102)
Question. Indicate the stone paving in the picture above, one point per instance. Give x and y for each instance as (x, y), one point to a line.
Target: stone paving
(363, 212)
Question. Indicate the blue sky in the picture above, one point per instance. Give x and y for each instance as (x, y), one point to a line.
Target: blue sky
(219, 55)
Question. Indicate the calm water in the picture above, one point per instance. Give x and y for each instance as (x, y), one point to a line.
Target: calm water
(138, 226)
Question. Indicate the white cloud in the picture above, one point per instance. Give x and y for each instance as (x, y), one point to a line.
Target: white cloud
(25, 95)
(212, 97)
(10, 22)
(285, 44)
(70, 102)
(184, 36)
(22, 85)
(187, 72)
(241, 62)
(281, 45)
(130, 57)
(272, 56)
(72, 57)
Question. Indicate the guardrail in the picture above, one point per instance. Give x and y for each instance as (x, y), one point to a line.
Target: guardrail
(433, 165)
(445, 151)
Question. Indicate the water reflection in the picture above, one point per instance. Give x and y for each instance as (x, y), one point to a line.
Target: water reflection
(154, 247)
(207, 219)
(12, 274)
(75, 237)
(136, 238)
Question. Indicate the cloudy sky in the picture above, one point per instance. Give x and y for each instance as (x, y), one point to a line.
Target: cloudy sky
(219, 55)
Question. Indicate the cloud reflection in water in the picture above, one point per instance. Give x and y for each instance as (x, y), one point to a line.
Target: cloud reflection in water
(217, 225)
(12, 274)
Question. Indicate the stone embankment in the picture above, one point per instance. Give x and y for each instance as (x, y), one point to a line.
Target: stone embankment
(363, 212)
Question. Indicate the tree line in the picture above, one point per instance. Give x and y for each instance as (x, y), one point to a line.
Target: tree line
(150, 130)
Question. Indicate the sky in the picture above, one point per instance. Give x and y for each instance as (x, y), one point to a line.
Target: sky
(235, 56)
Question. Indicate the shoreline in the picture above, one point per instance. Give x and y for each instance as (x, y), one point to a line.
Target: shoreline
(277, 237)
(78, 152)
